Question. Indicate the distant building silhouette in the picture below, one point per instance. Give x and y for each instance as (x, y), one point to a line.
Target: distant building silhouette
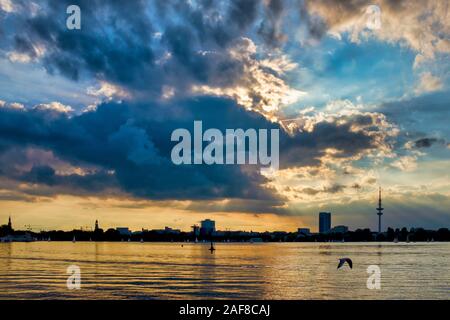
(9, 227)
(339, 229)
(324, 222)
(380, 211)
(168, 230)
(97, 231)
(6, 230)
(123, 231)
(195, 230)
(304, 231)
(208, 227)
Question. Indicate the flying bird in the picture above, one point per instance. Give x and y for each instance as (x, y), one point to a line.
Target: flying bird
(342, 261)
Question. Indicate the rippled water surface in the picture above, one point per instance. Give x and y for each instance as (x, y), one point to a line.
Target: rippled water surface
(242, 271)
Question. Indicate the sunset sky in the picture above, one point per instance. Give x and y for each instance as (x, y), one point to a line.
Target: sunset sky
(86, 115)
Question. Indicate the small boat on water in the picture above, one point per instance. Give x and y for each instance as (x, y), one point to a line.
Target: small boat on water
(17, 238)
(212, 247)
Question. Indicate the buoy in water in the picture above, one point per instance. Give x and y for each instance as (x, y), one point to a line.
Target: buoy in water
(212, 248)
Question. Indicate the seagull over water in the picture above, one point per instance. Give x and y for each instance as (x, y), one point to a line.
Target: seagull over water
(342, 261)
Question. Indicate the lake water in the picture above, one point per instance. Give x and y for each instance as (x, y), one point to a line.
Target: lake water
(240, 271)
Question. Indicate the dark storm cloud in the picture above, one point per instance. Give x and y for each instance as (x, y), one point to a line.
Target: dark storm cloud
(412, 111)
(308, 147)
(130, 146)
(115, 47)
(425, 142)
(424, 119)
(91, 183)
(135, 145)
(22, 45)
(316, 26)
(270, 27)
(243, 12)
(124, 42)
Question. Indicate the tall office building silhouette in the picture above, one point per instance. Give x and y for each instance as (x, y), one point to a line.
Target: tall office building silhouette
(324, 222)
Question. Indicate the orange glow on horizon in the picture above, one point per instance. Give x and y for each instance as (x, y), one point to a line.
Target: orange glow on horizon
(68, 213)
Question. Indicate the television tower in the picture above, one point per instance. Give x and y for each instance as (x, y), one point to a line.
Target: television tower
(380, 211)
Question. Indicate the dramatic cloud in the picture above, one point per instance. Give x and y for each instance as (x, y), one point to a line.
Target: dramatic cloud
(131, 151)
(426, 142)
(131, 148)
(260, 87)
(90, 112)
(195, 48)
(271, 26)
(416, 114)
(423, 26)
